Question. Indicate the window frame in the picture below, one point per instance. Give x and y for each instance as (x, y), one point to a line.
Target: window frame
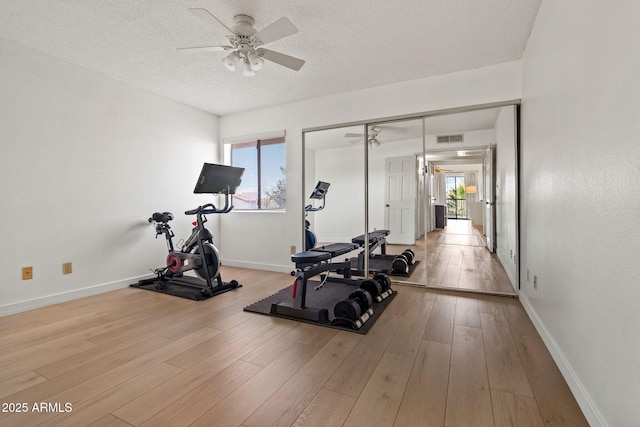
(257, 141)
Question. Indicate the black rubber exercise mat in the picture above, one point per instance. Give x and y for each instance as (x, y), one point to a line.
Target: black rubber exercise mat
(382, 264)
(327, 297)
(182, 290)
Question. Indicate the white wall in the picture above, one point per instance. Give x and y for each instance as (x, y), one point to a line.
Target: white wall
(580, 166)
(85, 160)
(505, 187)
(343, 216)
(271, 235)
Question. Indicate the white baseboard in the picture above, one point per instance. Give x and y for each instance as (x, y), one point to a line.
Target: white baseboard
(505, 267)
(44, 301)
(258, 266)
(589, 409)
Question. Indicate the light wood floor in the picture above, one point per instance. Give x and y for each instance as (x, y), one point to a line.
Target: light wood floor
(456, 257)
(131, 357)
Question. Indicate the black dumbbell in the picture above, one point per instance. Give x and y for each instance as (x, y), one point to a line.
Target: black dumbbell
(384, 280)
(363, 297)
(400, 265)
(373, 287)
(408, 253)
(348, 309)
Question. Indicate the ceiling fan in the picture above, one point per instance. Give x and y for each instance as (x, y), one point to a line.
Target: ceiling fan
(374, 131)
(245, 43)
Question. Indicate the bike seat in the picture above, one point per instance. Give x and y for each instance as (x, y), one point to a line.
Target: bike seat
(162, 217)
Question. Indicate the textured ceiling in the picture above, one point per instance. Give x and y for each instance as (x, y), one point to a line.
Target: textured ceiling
(347, 44)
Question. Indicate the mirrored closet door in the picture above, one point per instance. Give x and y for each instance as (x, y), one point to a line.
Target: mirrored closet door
(471, 163)
(397, 199)
(438, 189)
(335, 163)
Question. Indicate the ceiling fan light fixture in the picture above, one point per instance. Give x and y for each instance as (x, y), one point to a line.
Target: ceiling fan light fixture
(231, 60)
(248, 71)
(246, 43)
(255, 60)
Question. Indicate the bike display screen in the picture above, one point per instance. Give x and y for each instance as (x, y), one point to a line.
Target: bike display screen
(216, 179)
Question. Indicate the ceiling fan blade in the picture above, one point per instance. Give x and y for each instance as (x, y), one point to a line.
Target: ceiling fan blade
(353, 135)
(282, 59)
(208, 18)
(204, 49)
(277, 30)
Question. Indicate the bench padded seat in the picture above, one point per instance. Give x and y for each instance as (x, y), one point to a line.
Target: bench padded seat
(336, 249)
(374, 236)
(310, 257)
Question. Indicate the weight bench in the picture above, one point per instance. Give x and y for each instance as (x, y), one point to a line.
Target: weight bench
(309, 264)
(377, 238)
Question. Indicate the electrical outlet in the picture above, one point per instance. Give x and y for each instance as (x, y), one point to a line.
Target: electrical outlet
(535, 282)
(293, 249)
(66, 268)
(27, 273)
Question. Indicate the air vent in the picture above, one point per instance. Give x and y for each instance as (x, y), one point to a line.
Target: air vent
(447, 139)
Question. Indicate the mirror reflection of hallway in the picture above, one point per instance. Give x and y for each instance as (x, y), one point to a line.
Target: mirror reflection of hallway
(472, 241)
(458, 258)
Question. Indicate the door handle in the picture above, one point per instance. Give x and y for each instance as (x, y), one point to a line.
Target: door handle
(387, 205)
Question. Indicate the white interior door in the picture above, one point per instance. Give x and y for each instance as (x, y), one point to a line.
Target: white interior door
(400, 199)
(489, 198)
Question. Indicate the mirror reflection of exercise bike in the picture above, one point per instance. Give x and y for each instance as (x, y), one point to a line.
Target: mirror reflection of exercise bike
(399, 264)
(197, 253)
(319, 193)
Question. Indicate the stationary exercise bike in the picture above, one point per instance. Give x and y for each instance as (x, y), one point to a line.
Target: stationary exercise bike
(197, 253)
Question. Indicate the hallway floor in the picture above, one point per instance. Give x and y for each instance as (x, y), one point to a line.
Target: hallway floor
(456, 257)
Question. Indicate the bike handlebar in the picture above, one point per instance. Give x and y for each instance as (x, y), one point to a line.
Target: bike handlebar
(201, 209)
(210, 208)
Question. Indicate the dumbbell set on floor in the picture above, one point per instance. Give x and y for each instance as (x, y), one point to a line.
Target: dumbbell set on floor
(379, 287)
(357, 308)
(401, 262)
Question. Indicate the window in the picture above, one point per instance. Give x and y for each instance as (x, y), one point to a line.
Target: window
(263, 183)
(456, 197)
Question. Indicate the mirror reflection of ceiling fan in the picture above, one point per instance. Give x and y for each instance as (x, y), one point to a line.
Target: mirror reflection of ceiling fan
(374, 131)
(440, 170)
(245, 43)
